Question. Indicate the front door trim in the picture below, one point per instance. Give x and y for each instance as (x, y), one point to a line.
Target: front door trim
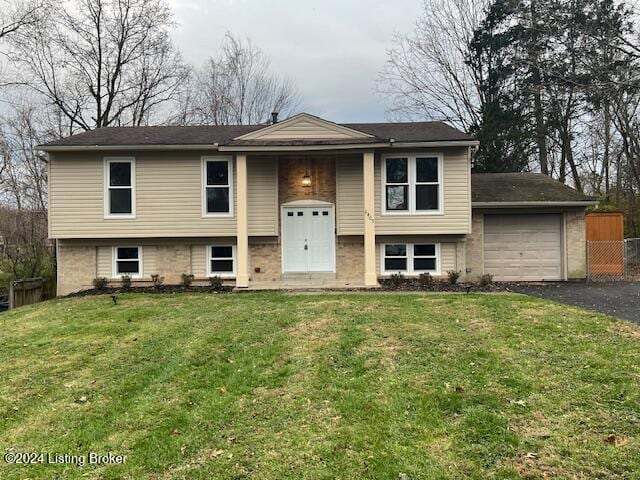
(308, 204)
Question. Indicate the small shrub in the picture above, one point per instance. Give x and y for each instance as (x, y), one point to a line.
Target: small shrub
(157, 280)
(187, 279)
(453, 276)
(100, 283)
(425, 280)
(126, 282)
(396, 280)
(486, 280)
(215, 282)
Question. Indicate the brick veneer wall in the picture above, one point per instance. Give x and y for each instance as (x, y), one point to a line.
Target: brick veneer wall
(576, 245)
(474, 248)
(265, 254)
(76, 268)
(172, 261)
(323, 179)
(350, 258)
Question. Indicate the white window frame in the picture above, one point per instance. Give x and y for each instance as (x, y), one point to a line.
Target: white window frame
(412, 177)
(210, 257)
(229, 161)
(114, 260)
(410, 271)
(107, 173)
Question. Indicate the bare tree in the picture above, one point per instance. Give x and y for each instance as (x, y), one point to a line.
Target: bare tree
(23, 196)
(426, 75)
(101, 62)
(23, 170)
(236, 87)
(15, 15)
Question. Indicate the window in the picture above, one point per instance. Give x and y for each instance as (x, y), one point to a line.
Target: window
(412, 184)
(410, 258)
(120, 174)
(217, 181)
(425, 258)
(397, 187)
(127, 261)
(395, 258)
(221, 260)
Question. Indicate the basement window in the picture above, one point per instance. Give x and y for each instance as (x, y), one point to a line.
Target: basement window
(119, 191)
(221, 260)
(410, 259)
(127, 261)
(217, 183)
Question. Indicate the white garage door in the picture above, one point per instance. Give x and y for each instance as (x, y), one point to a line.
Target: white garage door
(523, 247)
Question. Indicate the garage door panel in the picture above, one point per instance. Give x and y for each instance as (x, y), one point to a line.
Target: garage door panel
(523, 247)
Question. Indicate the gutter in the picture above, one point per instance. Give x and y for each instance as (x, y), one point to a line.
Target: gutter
(88, 148)
(249, 148)
(572, 203)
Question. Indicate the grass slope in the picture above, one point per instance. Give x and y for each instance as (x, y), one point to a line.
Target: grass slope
(275, 386)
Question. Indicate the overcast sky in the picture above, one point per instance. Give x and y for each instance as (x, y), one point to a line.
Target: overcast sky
(332, 50)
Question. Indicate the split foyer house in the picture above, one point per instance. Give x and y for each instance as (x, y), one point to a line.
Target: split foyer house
(301, 200)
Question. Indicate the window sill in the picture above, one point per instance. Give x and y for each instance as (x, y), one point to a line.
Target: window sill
(217, 215)
(119, 217)
(420, 213)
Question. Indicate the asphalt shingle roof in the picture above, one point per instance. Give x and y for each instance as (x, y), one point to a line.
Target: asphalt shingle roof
(521, 187)
(224, 134)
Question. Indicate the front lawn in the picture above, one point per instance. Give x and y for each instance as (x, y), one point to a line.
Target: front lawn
(273, 386)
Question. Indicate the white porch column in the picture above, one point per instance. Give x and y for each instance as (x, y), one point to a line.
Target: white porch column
(370, 277)
(242, 226)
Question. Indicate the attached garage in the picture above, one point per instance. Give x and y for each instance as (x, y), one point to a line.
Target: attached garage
(521, 247)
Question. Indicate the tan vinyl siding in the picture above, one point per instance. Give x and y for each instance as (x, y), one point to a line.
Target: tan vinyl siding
(449, 258)
(199, 260)
(457, 205)
(150, 260)
(168, 198)
(350, 200)
(303, 129)
(105, 265)
(262, 196)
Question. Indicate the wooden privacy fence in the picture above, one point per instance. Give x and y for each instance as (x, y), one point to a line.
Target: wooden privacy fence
(26, 292)
(605, 246)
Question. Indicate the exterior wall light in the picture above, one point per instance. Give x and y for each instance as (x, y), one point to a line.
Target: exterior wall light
(306, 180)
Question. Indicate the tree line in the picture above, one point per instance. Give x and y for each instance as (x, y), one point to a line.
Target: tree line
(545, 85)
(76, 65)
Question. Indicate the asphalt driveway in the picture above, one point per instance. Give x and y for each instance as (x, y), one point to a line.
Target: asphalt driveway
(619, 299)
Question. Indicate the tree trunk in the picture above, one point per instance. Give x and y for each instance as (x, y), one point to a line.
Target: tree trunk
(541, 139)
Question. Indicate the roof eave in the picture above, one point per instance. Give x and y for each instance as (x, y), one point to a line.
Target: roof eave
(265, 148)
(438, 143)
(508, 204)
(300, 148)
(84, 148)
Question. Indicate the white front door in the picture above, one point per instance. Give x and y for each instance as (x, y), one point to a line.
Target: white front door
(308, 239)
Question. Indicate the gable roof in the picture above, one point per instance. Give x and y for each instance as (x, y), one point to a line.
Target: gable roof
(522, 188)
(214, 136)
(304, 126)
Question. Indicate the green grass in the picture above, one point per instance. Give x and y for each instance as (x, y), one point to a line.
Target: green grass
(275, 386)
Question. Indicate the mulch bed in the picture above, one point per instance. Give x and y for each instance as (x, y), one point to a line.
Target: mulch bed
(166, 289)
(388, 285)
(413, 285)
